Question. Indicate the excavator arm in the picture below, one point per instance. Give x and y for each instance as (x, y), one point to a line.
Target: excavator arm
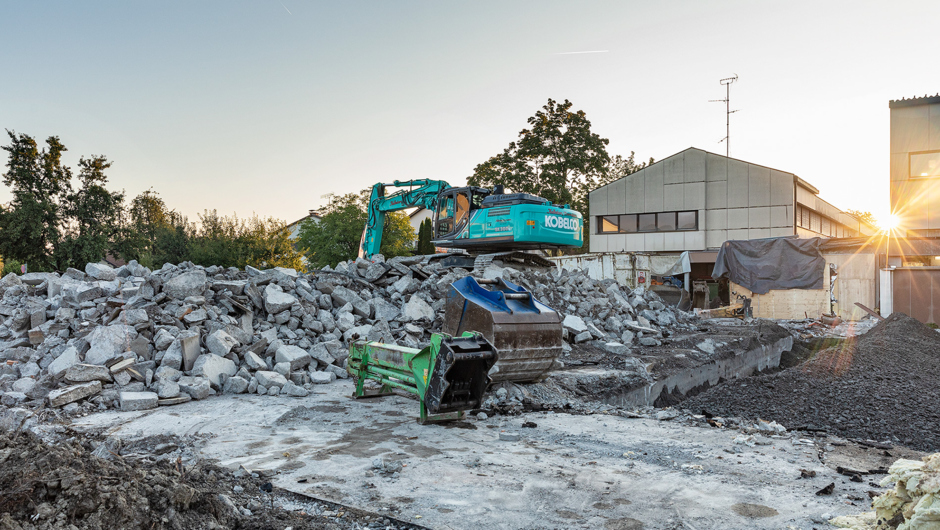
(419, 193)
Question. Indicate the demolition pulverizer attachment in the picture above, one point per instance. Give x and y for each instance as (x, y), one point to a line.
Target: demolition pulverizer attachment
(449, 376)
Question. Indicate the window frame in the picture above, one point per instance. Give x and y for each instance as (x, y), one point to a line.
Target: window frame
(629, 223)
(910, 164)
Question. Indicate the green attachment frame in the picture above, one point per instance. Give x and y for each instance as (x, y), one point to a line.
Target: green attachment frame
(449, 376)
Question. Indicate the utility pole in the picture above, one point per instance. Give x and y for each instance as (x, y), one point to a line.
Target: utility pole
(727, 101)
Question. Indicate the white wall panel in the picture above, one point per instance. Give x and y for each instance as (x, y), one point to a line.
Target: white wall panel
(758, 186)
(694, 196)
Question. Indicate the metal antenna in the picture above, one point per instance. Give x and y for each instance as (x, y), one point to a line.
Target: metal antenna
(727, 101)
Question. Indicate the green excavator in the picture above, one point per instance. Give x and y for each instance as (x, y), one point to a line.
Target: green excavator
(494, 330)
(477, 220)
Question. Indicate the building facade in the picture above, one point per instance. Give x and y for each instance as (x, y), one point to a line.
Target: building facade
(696, 200)
(915, 165)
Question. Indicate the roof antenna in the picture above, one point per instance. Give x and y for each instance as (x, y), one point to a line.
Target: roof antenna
(727, 101)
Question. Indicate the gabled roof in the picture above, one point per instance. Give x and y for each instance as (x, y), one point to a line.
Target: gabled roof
(707, 153)
(311, 214)
(914, 101)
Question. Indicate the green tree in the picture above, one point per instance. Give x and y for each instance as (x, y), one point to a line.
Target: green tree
(557, 157)
(94, 216)
(31, 224)
(337, 235)
(425, 234)
(620, 167)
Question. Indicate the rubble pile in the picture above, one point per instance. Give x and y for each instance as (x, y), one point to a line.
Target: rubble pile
(878, 386)
(913, 502)
(134, 339)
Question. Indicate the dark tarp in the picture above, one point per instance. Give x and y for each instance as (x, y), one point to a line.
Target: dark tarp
(776, 263)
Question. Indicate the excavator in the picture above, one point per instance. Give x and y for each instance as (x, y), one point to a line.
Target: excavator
(478, 220)
(494, 330)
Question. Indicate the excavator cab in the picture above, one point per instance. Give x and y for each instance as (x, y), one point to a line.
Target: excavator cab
(453, 209)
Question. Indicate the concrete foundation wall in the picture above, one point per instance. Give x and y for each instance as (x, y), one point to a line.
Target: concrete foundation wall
(786, 304)
(855, 283)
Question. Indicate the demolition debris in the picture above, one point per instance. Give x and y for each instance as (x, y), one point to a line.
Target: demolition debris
(135, 339)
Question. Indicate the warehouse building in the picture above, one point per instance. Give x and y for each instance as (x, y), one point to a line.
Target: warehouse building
(695, 201)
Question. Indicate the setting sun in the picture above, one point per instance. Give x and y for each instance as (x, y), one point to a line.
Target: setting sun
(889, 222)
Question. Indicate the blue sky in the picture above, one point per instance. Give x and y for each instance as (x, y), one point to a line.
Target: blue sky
(266, 106)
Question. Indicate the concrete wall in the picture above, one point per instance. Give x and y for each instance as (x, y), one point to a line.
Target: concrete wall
(787, 304)
(734, 200)
(855, 283)
(914, 129)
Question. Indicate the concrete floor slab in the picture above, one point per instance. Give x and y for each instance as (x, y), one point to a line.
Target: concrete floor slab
(598, 471)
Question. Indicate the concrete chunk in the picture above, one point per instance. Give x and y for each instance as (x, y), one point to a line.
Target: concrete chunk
(293, 390)
(254, 361)
(322, 378)
(417, 309)
(82, 373)
(212, 367)
(108, 342)
(270, 379)
(62, 363)
(235, 385)
(195, 387)
(276, 300)
(220, 343)
(296, 356)
(191, 283)
(100, 271)
(71, 394)
(131, 401)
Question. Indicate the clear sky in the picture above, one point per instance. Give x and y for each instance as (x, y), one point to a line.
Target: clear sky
(266, 106)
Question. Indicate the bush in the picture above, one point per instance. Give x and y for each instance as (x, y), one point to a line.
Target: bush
(11, 266)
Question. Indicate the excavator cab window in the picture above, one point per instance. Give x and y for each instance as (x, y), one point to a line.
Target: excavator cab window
(463, 208)
(445, 216)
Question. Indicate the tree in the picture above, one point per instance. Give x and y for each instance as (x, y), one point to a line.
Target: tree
(32, 223)
(336, 237)
(425, 234)
(557, 158)
(865, 217)
(94, 216)
(620, 167)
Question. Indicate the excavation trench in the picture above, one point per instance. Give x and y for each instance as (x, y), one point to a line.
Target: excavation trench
(668, 374)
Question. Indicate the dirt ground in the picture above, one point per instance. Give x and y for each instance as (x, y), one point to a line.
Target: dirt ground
(880, 386)
(65, 485)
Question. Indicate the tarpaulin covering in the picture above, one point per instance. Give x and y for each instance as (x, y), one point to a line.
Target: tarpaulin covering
(777, 263)
(670, 265)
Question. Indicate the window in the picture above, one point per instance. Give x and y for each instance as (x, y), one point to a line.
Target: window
(925, 165)
(666, 222)
(687, 221)
(647, 222)
(607, 224)
(628, 223)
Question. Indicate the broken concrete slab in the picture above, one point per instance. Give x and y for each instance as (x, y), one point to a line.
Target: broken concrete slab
(63, 396)
(276, 300)
(295, 356)
(212, 367)
(270, 379)
(220, 343)
(83, 373)
(100, 271)
(108, 342)
(131, 401)
(191, 283)
(195, 387)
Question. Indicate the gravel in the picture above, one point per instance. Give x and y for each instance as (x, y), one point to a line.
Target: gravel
(879, 386)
